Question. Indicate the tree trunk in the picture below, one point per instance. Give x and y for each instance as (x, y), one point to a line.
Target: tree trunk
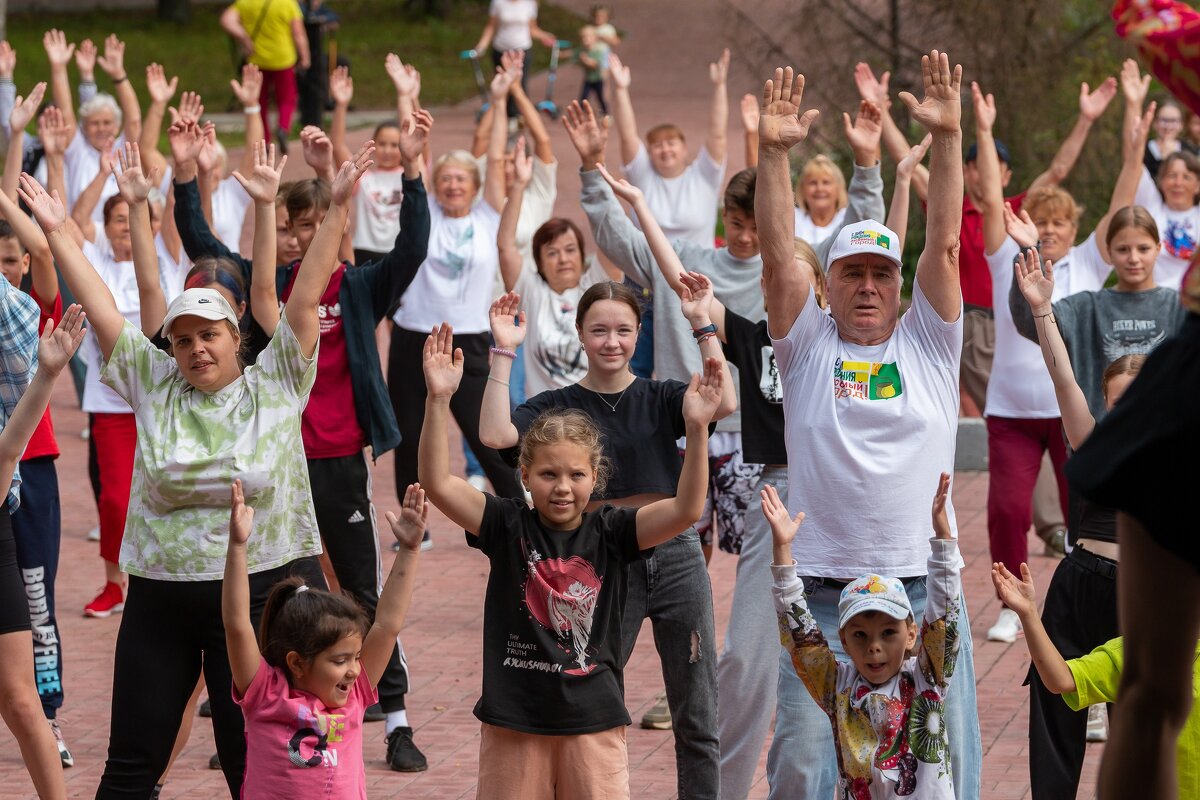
(179, 11)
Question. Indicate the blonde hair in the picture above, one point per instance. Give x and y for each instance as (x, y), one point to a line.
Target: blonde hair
(804, 252)
(821, 163)
(461, 159)
(1048, 202)
(576, 427)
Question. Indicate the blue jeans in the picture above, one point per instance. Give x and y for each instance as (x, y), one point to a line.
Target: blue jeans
(802, 762)
(671, 587)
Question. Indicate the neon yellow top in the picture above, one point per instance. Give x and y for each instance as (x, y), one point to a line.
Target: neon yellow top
(274, 47)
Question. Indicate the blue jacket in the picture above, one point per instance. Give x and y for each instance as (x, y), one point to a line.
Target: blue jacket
(368, 291)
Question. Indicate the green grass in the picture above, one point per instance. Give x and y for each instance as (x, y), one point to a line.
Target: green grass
(200, 53)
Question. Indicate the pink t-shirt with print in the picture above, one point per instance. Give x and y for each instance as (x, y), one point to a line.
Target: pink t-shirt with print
(296, 746)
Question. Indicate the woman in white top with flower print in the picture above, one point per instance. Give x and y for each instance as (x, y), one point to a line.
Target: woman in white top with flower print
(203, 419)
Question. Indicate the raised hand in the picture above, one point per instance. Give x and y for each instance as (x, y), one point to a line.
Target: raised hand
(85, 60)
(317, 149)
(8, 60)
(54, 131)
(504, 80)
(750, 113)
(241, 516)
(442, 363)
(1020, 228)
(191, 108)
(341, 86)
(113, 60)
(522, 164)
(248, 90)
(703, 394)
(1093, 104)
(263, 183)
(621, 187)
(161, 90)
(513, 60)
(134, 185)
(1134, 141)
(618, 72)
(589, 137)
(985, 108)
(47, 209)
(414, 136)
(58, 343)
(343, 183)
(58, 51)
(940, 111)
(409, 527)
(209, 159)
(718, 71)
(186, 140)
(783, 526)
(941, 523)
(1018, 594)
(402, 78)
(508, 321)
(866, 130)
(1134, 85)
(696, 298)
(108, 156)
(916, 153)
(781, 126)
(1036, 283)
(871, 88)
(24, 108)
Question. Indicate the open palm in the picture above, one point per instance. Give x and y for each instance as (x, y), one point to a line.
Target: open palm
(941, 108)
(1036, 283)
(263, 183)
(703, 394)
(58, 343)
(48, 209)
(442, 363)
(780, 123)
(133, 183)
(504, 317)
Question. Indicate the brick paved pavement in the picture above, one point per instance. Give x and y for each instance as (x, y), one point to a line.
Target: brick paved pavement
(443, 638)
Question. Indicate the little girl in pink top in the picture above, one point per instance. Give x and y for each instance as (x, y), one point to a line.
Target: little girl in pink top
(303, 694)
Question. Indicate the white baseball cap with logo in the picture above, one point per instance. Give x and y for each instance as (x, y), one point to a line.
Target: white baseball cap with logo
(865, 237)
(203, 303)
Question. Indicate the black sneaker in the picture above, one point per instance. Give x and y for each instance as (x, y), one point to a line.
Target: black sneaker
(214, 762)
(157, 791)
(374, 713)
(402, 752)
(281, 139)
(205, 708)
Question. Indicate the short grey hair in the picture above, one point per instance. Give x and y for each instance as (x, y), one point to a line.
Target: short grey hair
(101, 102)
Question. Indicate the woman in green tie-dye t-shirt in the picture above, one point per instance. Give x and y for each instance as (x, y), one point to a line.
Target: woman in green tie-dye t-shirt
(203, 419)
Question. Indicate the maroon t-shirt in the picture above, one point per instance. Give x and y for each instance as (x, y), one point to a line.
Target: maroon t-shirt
(973, 274)
(329, 426)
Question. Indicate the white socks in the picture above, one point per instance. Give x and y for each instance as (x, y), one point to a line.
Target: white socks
(395, 719)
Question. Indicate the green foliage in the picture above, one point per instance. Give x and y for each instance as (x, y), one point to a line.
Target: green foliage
(203, 58)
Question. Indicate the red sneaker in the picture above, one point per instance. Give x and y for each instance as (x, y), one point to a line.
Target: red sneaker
(110, 600)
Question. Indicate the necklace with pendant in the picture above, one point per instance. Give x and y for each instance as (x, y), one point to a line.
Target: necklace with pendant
(611, 406)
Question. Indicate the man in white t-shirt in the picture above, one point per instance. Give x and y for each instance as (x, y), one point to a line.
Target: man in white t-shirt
(871, 408)
(682, 196)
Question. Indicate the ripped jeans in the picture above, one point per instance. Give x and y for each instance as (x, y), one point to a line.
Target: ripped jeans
(671, 587)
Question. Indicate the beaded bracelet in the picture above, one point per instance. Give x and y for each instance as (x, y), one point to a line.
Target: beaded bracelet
(500, 351)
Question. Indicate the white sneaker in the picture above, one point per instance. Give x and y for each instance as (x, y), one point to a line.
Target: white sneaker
(478, 482)
(64, 755)
(1097, 726)
(1007, 626)
(94, 534)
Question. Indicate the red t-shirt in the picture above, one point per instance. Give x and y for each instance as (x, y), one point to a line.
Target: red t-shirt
(43, 443)
(329, 426)
(973, 274)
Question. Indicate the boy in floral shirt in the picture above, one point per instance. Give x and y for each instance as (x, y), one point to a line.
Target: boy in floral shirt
(886, 706)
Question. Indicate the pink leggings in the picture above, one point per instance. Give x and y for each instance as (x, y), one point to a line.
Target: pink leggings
(283, 83)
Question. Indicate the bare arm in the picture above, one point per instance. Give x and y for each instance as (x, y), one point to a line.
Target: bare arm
(1137, 130)
(1091, 106)
(1020, 596)
(511, 262)
(535, 129)
(262, 184)
(113, 64)
(247, 92)
(622, 109)
(41, 261)
(240, 640)
(940, 112)
(987, 163)
(161, 91)
(453, 496)
(664, 519)
(59, 53)
(135, 187)
(780, 127)
(85, 283)
(493, 178)
(875, 90)
(496, 428)
(341, 89)
(750, 128)
(898, 214)
(231, 22)
(485, 37)
(396, 597)
(86, 203)
(19, 117)
(300, 38)
(718, 113)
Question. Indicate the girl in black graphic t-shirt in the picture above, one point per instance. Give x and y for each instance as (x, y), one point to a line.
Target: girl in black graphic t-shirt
(552, 617)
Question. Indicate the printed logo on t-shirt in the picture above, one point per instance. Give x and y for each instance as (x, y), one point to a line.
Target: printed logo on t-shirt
(769, 383)
(1132, 337)
(1178, 239)
(561, 595)
(866, 380)
(309, 745)
(329, 316)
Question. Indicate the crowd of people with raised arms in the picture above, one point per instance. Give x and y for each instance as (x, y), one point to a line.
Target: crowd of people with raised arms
(780, 393)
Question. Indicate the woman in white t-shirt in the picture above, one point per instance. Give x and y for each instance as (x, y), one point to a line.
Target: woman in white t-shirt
(549, 285)
(453, 285)
(821, 199)
(512, 25)
(683, 196)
